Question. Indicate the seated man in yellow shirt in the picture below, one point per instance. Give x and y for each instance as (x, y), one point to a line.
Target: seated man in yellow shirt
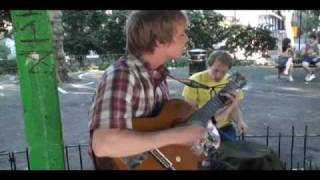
(219, 63)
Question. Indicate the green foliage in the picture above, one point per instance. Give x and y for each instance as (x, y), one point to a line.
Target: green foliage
(205, 28)
(104, 33)
(182, 62)
(107, 60)
(4, 52)
(243, 62)
(8, 66)
(264, 40)
(5, 20)
(4, 16)
(310, 20)
(80, 28)
(104, 65)
(93, 67)
(249, 39)
(112, 37)
(94, 30)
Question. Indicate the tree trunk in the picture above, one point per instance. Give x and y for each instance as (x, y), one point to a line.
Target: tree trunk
(58, 32)
(80, 59)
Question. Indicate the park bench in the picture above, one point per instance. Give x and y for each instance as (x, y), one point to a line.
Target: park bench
(297, 63)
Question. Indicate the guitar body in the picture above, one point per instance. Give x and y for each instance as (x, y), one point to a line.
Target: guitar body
(175, 111)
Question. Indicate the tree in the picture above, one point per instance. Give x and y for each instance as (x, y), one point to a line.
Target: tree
(310, 20)
(78, 27)
(249, 39)
(5, 23)
(206, 28)
(112, 38)
(100, 31)
(57, 29)
(94, 30)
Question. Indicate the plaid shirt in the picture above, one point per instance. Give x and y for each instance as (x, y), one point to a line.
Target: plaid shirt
(128, 89)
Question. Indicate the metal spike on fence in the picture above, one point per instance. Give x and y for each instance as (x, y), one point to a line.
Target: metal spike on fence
(279, 145)
(285, 165)
(80, 156)
(28, 159)
(291, 151)
(310, 165)
(67, 158)
(267, 136)
(12, 161)
(305, 146)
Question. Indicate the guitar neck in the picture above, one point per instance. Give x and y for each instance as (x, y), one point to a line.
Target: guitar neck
(210, 108)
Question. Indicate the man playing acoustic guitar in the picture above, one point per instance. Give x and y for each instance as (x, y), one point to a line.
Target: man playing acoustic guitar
(135, 86)
(219, 63)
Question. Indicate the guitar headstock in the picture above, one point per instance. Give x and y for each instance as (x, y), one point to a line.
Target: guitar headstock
(238, 80)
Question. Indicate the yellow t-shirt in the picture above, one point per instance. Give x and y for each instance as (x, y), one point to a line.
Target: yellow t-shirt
(202, 96)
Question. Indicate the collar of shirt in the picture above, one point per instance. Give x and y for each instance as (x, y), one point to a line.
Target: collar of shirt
(157, 75)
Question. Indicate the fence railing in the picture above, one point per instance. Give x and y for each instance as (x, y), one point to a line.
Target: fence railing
(291, 142)
(288, 147)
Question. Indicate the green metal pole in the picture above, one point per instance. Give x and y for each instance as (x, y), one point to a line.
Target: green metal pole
(38, 83)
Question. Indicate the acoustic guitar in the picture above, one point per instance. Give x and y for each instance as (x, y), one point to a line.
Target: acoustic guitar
(175, 112)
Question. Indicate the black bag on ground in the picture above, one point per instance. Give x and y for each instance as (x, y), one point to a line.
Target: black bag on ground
(244, 155)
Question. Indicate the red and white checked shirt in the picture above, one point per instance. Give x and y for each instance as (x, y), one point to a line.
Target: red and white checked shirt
(128, 89)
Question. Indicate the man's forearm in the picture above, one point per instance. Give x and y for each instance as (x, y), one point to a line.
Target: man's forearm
(122, 143)
(236, 115)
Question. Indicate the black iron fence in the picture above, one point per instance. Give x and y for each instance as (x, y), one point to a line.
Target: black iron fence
(296, 151)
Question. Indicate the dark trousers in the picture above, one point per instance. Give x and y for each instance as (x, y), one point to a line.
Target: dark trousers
(228, 133)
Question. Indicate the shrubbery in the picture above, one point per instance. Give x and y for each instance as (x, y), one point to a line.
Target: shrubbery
(8, 66)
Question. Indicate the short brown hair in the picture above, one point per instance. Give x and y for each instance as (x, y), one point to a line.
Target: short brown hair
(143, 28)
(221, 56)
(312, 35)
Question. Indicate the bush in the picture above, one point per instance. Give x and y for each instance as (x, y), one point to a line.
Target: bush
(8, 66)
(182, 62)
(2, 70)
(73, 68)
(239, 62)
(103, 66)
(107, 60)
(249, 39)
(4, 52)
(93, 67)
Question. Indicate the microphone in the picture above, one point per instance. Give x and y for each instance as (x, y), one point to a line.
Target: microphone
(195, 84)
(191, 83)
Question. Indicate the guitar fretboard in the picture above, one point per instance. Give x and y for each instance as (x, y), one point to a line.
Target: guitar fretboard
(210, 108)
